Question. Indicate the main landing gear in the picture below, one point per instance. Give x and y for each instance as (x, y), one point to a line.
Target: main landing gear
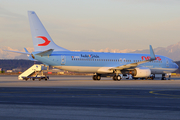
(96, 77)
(117, 78)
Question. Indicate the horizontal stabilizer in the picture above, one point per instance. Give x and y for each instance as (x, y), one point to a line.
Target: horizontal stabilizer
(46, 53)
(27, 53)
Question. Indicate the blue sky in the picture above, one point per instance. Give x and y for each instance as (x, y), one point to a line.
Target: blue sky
(93, 24)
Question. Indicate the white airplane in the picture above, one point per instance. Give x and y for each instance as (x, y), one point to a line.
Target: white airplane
(101, 64)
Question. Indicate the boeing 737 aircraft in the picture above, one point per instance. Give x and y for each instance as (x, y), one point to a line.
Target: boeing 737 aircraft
(101, 64)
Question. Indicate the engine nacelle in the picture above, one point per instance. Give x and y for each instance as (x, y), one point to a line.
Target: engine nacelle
(141, 72)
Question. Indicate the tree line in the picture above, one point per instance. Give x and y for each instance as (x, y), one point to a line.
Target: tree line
(8, 64)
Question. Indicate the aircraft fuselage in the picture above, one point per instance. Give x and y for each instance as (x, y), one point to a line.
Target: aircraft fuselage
(95, 61)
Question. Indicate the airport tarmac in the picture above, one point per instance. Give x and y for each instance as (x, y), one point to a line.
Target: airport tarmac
(79, 97)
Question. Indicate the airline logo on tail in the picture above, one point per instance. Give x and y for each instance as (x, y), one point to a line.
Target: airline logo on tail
(45, 39)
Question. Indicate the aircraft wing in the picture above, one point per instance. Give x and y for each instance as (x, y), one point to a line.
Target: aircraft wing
(133, 65)
(130, 66)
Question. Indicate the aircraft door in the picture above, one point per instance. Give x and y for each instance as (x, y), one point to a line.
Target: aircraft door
(63, 60)
(167, 63)
(122, 61)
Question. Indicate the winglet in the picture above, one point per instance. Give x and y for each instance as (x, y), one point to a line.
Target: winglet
(26, 51)
(152, 55)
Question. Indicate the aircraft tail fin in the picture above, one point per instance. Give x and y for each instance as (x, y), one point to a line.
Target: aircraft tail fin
(41, 39)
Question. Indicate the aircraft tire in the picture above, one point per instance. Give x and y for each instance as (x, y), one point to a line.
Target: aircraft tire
(46, 78)
(26, 79)
(163, 78)
(98, 77)
(114, 77)
(94, 77)
(118, 78)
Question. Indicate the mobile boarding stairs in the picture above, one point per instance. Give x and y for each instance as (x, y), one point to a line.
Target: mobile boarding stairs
(34, 72)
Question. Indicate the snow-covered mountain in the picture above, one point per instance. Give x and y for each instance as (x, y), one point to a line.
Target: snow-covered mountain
(172, 51)
(12, 55)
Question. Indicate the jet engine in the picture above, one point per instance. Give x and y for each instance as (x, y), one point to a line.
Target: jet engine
(140, 72)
